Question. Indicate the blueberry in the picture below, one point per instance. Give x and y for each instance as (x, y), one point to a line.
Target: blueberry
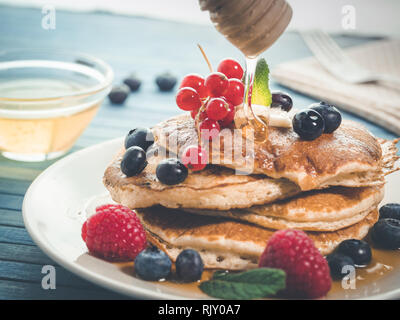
(308, 124)
(166, 81)
(133, 161)
(133, 82)
(118, 94)
(152, 264)
(331, 115)
(171, 171)
(386, 233)
(140, 137)
(337, 262)
(189, 265)
(281, 100)
(358, 250)
(390, 210)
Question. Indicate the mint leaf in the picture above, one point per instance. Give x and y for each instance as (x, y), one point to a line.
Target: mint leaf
(261, 93)
(256, 283)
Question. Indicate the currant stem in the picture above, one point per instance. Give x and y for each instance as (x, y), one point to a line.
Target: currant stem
(205, 58)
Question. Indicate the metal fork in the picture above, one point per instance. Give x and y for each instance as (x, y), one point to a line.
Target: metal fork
(335, 60)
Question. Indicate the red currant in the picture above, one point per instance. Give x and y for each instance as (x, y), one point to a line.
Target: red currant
(216, 84)
(196, 82)
(217, 108)
(229, 117)
(235, 92)
(195, 158)
(209, 129)
(188, 99)
(231, 68)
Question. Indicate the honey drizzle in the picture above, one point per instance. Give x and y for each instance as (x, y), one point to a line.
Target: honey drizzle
(254, 122)
(382, 264)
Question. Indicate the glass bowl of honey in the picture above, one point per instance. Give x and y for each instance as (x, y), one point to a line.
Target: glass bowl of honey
(47, 99)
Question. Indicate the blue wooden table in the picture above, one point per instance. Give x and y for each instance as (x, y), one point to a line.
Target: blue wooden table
(145, 46)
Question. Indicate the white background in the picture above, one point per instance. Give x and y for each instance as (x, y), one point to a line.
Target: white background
(373, 17)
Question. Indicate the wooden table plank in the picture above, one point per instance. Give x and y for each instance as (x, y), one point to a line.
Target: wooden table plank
(25, 290)
(20, 271)
(24, 253)
(15, 235)
(11, 218)
(18, 173)
(12, 186)
(11, 201)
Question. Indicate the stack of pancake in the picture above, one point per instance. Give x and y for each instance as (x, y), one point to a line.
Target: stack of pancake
(329, 187)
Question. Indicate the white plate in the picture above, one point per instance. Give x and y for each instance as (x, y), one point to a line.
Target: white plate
(51, 211)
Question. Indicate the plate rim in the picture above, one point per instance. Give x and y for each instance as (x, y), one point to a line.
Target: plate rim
(103, 281)
(85, 273)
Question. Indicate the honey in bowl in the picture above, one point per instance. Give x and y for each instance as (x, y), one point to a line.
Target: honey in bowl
(47, 100)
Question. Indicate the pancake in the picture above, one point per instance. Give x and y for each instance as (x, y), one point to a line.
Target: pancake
(323, 210)
(227, 244)
(350, 156)
(212, 188)
(217, 187)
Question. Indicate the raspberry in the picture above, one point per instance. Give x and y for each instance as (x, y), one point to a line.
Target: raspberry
(84, 231)
(114, 233)
(307, 271)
